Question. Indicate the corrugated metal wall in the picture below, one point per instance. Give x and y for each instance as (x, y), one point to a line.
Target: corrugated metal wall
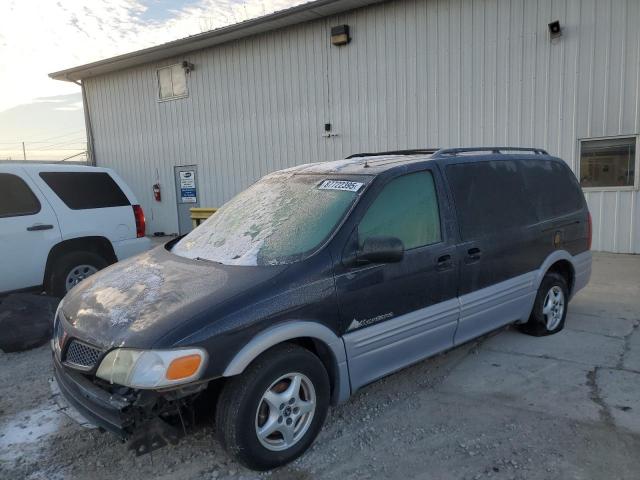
(417, 73)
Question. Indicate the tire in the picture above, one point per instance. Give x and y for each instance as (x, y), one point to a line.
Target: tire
(242, 409)
(67, 263)
(550, 307)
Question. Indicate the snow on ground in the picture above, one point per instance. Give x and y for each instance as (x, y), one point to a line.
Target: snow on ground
(28, 426)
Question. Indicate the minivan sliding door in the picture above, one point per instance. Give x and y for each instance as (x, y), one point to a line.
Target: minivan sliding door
(499, 248)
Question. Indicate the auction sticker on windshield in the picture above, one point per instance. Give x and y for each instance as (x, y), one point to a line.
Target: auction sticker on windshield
(344, 185)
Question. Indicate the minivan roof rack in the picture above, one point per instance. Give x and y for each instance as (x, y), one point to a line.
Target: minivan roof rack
(418, 151)
(494, 150)
(441, 152)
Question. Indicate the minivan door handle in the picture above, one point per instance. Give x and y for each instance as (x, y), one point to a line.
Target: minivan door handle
(443, 262)
(474, 254)
(38, 227)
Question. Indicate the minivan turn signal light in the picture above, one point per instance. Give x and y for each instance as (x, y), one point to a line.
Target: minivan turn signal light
(183, 367)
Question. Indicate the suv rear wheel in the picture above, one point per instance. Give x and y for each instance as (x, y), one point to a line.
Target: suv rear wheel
(270, 415)
(70, 269)
(550, 307)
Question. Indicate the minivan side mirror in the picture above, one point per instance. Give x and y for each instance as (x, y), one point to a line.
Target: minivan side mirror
(381, 249)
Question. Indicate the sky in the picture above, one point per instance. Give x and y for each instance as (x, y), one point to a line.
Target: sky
(38, 37)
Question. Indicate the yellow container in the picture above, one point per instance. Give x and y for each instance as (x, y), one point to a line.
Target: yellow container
(199, 215)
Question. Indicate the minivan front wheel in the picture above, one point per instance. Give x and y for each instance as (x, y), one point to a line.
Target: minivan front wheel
(270, 415)
(550, 307)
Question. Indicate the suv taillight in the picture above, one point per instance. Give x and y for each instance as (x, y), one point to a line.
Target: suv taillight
(589, 231)
(140, 222)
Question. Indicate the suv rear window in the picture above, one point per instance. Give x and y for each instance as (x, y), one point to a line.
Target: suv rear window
(85, 190)
(489, 197)
(17, 197)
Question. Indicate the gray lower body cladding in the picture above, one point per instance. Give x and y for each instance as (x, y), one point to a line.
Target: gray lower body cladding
(390, 345)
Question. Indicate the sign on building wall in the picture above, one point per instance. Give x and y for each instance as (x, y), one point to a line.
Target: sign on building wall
(188, 187)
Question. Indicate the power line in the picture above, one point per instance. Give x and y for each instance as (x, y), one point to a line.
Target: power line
(46, 140)
(75, 141)
(73, 156)
(59, 136)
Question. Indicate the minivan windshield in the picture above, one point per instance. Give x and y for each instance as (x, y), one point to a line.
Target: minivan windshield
(278, 220)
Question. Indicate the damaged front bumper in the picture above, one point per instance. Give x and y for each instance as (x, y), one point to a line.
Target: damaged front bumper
(134, 419)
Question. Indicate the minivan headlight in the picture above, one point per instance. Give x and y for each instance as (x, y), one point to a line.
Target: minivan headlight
(152, 368)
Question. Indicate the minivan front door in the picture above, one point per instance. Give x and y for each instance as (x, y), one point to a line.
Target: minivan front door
(394, 314)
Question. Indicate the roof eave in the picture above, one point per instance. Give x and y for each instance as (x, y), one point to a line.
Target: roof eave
(283, 18)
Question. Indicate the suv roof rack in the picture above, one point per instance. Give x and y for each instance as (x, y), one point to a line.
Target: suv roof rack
(419, 151)
(495, 150)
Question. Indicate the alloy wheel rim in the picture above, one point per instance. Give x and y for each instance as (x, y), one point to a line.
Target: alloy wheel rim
(553, 307)
(285, 412)
(77, 274)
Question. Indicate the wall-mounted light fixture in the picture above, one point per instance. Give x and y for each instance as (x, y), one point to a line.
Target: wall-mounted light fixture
(555, 30)
(340, 35)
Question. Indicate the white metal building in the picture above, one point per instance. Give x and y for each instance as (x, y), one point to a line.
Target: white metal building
(236, 103)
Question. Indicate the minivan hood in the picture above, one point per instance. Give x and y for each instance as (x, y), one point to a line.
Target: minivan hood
(136, 302)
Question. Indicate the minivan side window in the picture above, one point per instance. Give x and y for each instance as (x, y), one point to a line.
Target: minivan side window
(490, 197)
(406, 208)
(84, 190)
(553, 189)
(16, 198)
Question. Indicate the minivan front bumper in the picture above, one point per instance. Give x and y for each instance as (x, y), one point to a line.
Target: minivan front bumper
(140, 420)
(98, 406)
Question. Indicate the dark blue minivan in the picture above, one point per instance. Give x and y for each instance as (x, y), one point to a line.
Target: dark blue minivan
(314, 282)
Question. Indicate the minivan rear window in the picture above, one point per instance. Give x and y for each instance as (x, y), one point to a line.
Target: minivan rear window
(490, 197)
(553, 189)
(85, 190)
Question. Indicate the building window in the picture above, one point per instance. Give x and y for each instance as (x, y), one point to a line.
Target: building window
(172, 82)
(608, 162)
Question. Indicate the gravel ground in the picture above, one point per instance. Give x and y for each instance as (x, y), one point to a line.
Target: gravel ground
(507, 406)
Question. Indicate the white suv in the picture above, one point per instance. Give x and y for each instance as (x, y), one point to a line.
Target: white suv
(62, 223)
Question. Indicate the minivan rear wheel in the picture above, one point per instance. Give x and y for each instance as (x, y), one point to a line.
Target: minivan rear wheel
(70, 269)
(550, 307)
(270, 415)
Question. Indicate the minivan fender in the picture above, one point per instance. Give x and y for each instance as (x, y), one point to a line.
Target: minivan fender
(580, 265)
(290, 331)
(554, 257)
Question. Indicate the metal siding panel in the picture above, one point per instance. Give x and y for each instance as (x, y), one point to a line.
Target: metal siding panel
(608, 215)
(417, 73)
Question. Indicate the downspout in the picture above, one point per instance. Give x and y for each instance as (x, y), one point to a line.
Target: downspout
(91, 154)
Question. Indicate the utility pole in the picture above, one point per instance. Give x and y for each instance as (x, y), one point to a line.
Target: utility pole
(24, 152)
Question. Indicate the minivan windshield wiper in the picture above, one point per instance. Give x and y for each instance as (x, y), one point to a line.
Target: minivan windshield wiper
(206, 260)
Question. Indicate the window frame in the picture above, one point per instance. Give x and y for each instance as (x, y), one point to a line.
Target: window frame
(158, 89)
(26, 214)
(438, 191)
(636, 176)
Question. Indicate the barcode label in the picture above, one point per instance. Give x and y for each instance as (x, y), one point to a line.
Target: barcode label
(344, 185)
